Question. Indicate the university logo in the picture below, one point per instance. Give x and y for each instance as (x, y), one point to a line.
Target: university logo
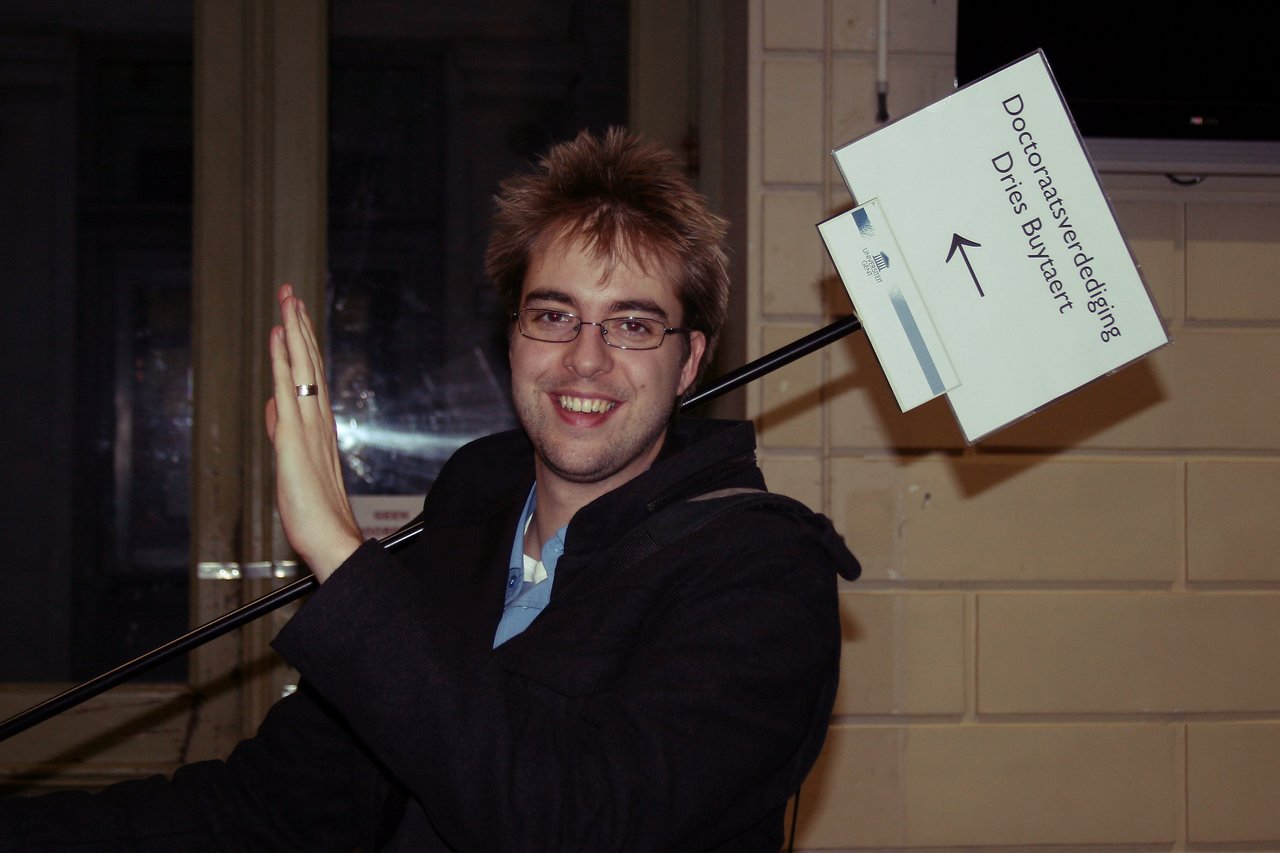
(873, 263)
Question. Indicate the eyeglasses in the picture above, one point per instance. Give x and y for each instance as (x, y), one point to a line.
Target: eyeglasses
(560, 327)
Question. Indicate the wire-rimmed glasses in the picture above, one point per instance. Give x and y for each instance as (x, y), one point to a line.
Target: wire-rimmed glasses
(560, 327)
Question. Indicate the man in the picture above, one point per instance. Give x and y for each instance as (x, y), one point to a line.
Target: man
(605, 638)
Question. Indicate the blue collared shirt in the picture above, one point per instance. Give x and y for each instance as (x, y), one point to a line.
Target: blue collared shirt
(528, 580)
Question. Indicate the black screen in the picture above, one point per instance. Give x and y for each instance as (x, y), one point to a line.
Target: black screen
(1139, 70)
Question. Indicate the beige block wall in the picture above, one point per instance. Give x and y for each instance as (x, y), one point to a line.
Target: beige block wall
(1068, 635)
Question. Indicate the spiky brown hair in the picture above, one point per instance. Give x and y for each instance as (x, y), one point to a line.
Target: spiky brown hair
(625, 199)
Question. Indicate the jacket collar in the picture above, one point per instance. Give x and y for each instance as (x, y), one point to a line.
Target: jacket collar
(492, 475)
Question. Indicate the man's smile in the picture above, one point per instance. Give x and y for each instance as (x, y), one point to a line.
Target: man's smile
(593, 405)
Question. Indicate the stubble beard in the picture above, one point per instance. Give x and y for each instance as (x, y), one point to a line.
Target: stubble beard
(568, 459)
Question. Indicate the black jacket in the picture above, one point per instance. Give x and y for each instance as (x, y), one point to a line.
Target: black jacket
(675, 704)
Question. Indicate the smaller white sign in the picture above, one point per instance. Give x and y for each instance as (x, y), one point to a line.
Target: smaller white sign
(885, 298)
(381, 515)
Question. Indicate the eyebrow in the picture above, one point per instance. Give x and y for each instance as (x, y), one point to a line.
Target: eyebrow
(644, 306)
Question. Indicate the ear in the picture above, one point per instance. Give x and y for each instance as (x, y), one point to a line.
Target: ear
(689, 370)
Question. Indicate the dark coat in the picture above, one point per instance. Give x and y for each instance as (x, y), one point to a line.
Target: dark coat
(673, 705)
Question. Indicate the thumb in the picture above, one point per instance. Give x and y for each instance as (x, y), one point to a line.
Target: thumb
(271, 418)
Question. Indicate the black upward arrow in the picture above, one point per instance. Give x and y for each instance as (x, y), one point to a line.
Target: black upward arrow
(958, 242)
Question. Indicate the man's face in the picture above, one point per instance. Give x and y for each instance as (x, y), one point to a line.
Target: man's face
(597, 414)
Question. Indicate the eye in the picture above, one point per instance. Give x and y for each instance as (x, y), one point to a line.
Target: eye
(636, 329)
(551, 319)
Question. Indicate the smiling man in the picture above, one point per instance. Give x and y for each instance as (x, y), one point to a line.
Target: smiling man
(597, 407)
(608, 636)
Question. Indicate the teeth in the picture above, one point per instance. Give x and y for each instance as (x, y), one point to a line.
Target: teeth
(582, 404)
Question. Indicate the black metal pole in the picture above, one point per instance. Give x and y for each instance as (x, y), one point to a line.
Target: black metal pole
(778, 358)
(274, 600)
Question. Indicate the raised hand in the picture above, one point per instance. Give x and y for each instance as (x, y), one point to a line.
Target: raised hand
(313, 503)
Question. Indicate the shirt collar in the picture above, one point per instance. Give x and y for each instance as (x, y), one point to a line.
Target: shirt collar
(529, 569)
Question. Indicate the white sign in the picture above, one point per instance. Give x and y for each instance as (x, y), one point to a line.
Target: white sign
(1011, 242)
(381, 515)
(887, 303)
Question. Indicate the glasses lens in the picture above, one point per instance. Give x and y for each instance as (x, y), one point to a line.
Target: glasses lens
(544, 325)
(633, 332)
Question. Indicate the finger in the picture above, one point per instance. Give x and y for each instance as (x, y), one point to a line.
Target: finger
(284, 301)
(313, 353)
(285, 395)
(300, 363)
(304, 365)
(321, 381)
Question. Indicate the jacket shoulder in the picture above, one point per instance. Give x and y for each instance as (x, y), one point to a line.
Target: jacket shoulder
(753, 520)
(479, 475)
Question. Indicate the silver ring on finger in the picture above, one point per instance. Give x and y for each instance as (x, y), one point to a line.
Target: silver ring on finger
(305, 390)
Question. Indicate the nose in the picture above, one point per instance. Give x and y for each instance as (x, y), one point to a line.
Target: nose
(586, 355)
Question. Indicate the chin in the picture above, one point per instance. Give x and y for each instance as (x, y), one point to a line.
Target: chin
(579, 470)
